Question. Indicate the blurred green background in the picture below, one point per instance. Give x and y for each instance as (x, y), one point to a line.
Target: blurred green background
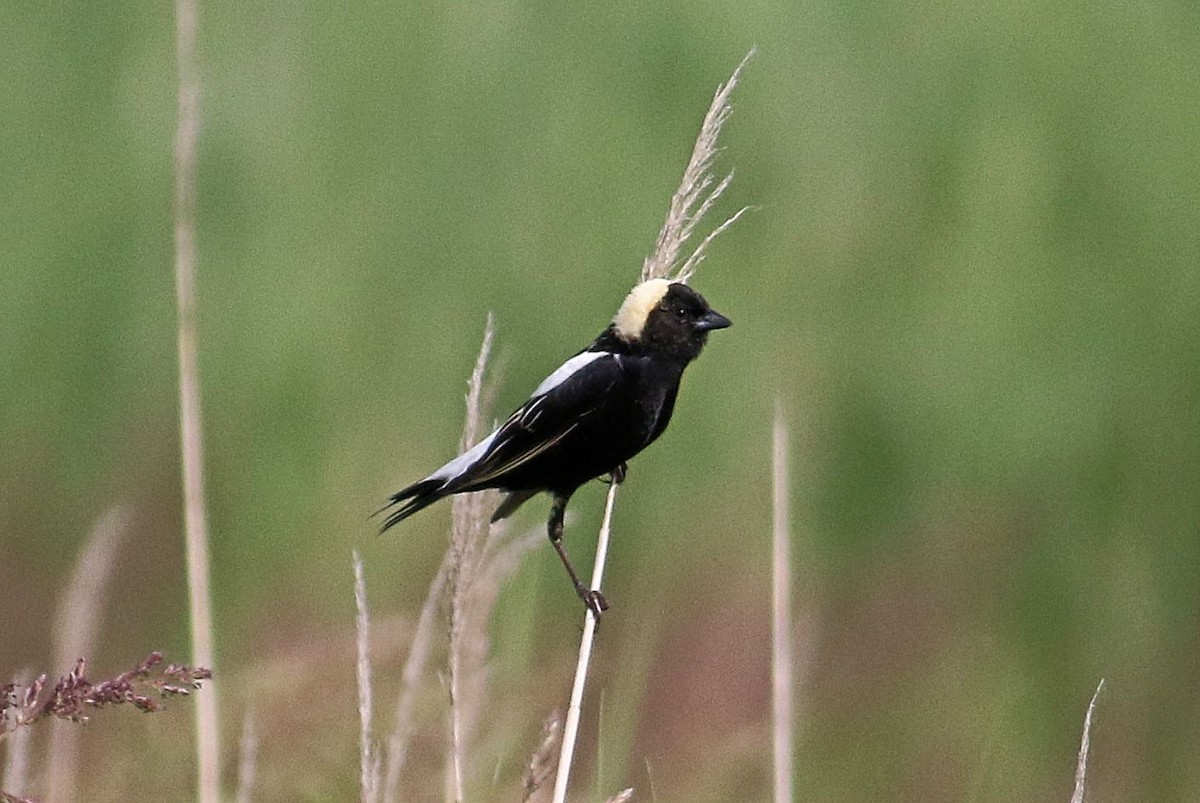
(971, 278)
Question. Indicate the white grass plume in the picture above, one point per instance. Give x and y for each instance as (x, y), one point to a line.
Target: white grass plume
(480, 559)
(471, 516)
(698, 191)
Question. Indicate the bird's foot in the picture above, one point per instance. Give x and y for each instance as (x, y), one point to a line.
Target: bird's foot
(617, 475)
(594, 600)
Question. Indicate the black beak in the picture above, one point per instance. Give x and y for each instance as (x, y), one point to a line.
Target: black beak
(712, 320)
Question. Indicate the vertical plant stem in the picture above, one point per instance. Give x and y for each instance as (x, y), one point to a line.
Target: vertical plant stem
(469, 529)
(455, 687)
(1084, 745)
(414, 667)
(247, 759)
(362, 630)
(14, 776)
(574, 710)
(781, 619)
(457, 757)
(76, 631)
(195, 526)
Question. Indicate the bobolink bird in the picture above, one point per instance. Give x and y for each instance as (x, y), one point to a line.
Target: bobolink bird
(591, 415)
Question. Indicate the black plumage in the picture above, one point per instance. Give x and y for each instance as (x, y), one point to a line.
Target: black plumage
(595, 412)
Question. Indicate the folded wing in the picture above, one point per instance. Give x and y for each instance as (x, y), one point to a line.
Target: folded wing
(557, 407)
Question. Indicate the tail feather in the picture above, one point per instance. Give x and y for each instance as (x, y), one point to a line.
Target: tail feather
(417, 496)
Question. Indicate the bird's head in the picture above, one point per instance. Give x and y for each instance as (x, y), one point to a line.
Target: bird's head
(667, 318)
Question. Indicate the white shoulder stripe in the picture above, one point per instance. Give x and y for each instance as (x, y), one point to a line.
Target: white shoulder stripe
(461, 464)
(456, 467)
(568, 369)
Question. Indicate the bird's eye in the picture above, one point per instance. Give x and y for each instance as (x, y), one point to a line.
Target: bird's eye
(681, 313)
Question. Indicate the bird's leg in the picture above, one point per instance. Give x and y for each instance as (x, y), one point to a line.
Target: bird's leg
(591, 597)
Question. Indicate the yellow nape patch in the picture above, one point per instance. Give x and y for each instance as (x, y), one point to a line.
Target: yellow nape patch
(637, 306)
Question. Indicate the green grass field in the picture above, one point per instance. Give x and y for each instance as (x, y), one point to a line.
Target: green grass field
(971, 275)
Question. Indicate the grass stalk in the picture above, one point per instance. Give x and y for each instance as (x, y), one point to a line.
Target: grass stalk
(16, 749)
(414, 669)
(1077, 796)
(368, 764)
(782, 703)
(458, 738)
(76, 629)
(479, 559)
(575, 708)
(247, 759)
(538, 770)
(195, 524)
(468, 537)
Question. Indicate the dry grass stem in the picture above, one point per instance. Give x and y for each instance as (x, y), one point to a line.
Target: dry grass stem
(575, 708)
(76, 629)
(414, 669)
(16, 761)
(16, 752)
(476, 415)
(781, 618)
(698, 192)
(247, 759)
(624, 796)
(502, 558)
(1084, 746)
(541, 761)
(368, 760)
(470, 523)
(195, 524)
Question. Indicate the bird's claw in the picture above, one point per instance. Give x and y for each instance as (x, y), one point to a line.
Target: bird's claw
(595, 601)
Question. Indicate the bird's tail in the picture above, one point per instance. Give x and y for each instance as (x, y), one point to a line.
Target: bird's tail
(415, 497)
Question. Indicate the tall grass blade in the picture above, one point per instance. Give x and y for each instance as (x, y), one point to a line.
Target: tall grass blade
(781, 614)
(368, 785)
(1077, 796)
(195, 525)
(247, 759)
(76, 632)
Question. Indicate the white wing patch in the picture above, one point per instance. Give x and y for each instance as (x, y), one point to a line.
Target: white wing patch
(463, 463)
(456, 467)
(567, 370)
